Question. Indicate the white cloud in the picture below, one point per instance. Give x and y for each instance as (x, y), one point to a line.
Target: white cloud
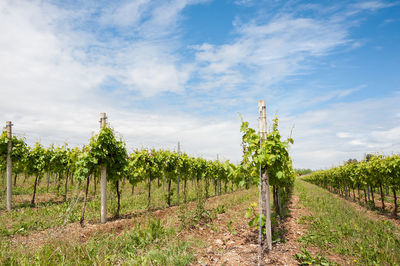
(331, 135)
(372, 5)
(391, 136)
(51, 84)
(127, 14)
(343, 135)
(42, 52)
(327, 96)
(53, 73)
(357, 142)
(37, 63)
(149, 19)
(198, 137)
(268, 52)
(244, 2)
(153, 76)
(149, 67)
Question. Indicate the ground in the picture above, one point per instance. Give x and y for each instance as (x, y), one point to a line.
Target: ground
(308, 234)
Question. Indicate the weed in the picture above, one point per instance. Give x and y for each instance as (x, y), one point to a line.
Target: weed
(200, 215)
(254, 217)
(231, 228)
(220, 209)
(305, 258)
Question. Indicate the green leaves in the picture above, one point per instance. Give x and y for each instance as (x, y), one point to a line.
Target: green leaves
(271, 154)
(107, 149)
(36, 160)
(85, 164)
(19, 148)
(152, 163)
(254, 217)
(372, 171)
(279, 175)
(103, 149)
(3, 144)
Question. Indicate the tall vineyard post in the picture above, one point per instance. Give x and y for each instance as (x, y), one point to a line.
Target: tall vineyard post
(103, 178)
(9, 165)
(218, 188)
(260, 216)
(177, 185)
(262, 124)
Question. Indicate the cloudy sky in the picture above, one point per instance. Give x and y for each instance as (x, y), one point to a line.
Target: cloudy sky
(183, 70)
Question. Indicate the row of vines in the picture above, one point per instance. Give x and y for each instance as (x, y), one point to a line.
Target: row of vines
(69, 165)
(375, 174)
(264, 155)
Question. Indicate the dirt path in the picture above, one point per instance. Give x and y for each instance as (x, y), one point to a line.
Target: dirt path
(238, 246)
(282, 253)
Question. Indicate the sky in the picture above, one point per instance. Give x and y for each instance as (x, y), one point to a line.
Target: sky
(188, 70)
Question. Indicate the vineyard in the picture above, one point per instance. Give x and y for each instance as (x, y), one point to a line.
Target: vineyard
(101, 204)
(363, 181)
(63, 180)
(199, 132)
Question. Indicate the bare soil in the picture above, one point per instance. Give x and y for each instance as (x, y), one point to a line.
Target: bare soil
(239, 246)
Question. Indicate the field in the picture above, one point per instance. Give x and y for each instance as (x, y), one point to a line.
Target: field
(319, 228)
(199, 132)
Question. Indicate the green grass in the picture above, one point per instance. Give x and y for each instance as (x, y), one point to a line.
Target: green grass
(24, 219)
(147, 242)
(150, 244)
(335, 227)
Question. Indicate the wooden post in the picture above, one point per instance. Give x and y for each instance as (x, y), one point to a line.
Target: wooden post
(177, 184)
(103, 178)
(9, 166)
(262, 124)
(217, 181)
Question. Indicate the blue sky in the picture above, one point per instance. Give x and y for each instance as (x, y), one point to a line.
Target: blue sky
(169, 71)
